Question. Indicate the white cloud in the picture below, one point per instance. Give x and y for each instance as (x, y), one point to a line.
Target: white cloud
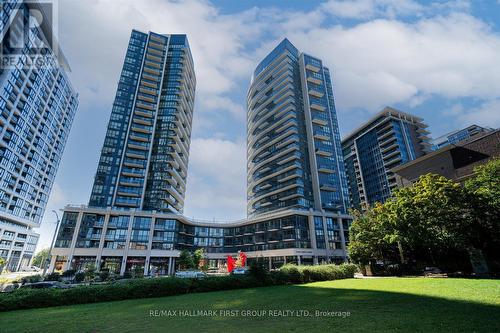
(216, 182)
(363, 9)
(487, 114)
(384, 62)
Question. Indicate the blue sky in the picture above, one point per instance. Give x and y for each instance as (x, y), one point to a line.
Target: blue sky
(435, 59)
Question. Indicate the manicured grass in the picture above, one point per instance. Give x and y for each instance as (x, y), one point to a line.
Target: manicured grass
(386, 304)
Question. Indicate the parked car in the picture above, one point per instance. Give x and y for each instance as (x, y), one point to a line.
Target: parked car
(43, 285)
(240, 270)
(190, 274)
(30, 269)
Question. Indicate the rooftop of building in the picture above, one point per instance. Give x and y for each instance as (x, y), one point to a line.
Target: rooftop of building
(445, 136)
(285, 44)
(385, 112)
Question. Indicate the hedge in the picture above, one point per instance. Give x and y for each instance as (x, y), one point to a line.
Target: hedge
(169, 286)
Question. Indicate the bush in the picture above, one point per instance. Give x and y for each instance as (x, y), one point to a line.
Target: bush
(168, 286)
(104, 275)
(79, 277)
(257, 270)
(69, 273)
(53, 277)
(90, 273)
(305, 274)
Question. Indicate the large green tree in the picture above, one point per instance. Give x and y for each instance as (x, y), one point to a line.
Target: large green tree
(422, 222)
(483, 192)
(186, 260)
(371, 237)
(429, 216)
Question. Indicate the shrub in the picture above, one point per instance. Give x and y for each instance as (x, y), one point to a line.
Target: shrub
(104, 275)
(53, 277)
(79, 277)
(90, 273)
(168, 286)
(257, 270)
(69, 273)
(304, 274)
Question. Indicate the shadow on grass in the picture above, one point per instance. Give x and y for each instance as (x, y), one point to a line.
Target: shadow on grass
(368, 310)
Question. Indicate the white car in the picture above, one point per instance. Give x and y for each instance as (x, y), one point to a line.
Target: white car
(190, 274)
(30, 269)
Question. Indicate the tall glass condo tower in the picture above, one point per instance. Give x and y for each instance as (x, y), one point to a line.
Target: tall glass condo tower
(294, 154)
(144, 158)
(37, 107)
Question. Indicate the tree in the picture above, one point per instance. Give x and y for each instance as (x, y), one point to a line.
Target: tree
(186, 260)
(434, 220)
(483, 192)
(425, 222)
(41, 258)
(2, 264)
(200, 259)
(484, 199)
(370, 236)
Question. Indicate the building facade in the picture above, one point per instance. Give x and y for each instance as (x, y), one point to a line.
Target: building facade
(455, 162)
(389, 139)
(294, 157)
(144, 159)
(310, 228)
(37, 107)
(457, 136)
(127, 240)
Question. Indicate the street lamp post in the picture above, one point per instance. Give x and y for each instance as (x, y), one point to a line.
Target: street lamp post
(45, 266)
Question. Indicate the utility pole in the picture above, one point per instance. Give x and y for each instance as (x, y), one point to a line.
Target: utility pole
(45, 266)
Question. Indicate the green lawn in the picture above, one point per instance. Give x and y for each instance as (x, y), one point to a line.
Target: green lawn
(386, 304)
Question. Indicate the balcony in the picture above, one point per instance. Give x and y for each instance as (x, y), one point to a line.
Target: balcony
(327, 187)
(320, 121)
(139, 137)
(318, 107)
(145, 105)
(138, 145)
(312, 68)
(149, 84)
(134, 182)
(322, 152)
(146, 98)
(142, 128)
(313, 79)
(325, 169)
(148, 91)
(315, 93)
(321, 135)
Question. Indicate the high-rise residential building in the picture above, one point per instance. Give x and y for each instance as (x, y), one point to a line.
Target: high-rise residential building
(310, 228)
(144, 158)
(37, 107)
(389, 139)
(293, 143)
(458, 135)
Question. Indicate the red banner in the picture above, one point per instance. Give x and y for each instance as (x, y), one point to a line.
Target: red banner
(230, 264)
